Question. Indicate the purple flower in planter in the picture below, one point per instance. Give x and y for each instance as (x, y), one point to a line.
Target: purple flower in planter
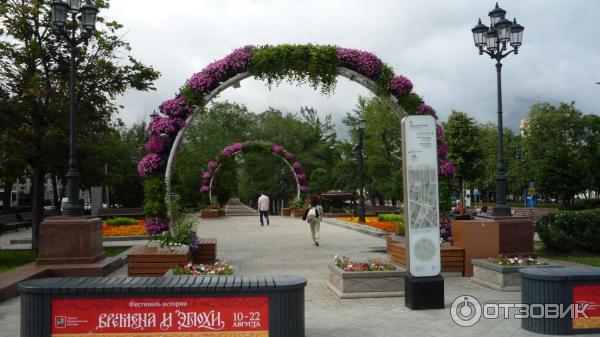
(442, 149)
(157, 144)
(176, 108)
(449, 239)
(303, 188)
(206, 175)
(297, 166)
(360, 61)
(443, 232)
(204, 189)
(164, 126)
(149, 164)
(213, 165)
(400, 86)
(301, 176)
(277, 149)
(156, 225)
(425, 109)
(200, 82)
(446, 168)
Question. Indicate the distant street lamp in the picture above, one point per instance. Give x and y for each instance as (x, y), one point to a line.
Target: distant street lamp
(83, 18)
(360, 155)
(492, 41)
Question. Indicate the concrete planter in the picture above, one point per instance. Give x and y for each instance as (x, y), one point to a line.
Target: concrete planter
(495, 276)
(366, 284)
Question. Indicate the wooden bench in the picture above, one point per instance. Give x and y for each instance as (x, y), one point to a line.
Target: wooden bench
(453, 258)
(13, 221)
(207, 251)
(156, 261)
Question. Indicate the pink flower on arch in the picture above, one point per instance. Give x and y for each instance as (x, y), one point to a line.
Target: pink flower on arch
(446, 168)
(213, 165)
(442, 149)
(301, 176)
(277, 149)
(204, 189)
(363, 62)
(206, 175)
(297, 166)
(149, 164)
(176, 108)
(400, 86)
(200, 82)
(288, 156)
(157, 144)
(156, 225)
(425, 109)
(164, 126)
(439, 131)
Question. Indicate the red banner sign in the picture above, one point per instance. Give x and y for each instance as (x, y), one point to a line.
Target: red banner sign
(161, 317)
(587, 295)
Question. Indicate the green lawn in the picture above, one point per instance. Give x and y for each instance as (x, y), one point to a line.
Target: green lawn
(577, 257)
(10, 259)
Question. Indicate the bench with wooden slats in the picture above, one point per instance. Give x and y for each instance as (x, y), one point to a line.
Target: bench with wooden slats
(156, 261)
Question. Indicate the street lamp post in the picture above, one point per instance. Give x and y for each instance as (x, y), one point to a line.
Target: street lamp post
(493, 42)
(83, 17)
(360, 155)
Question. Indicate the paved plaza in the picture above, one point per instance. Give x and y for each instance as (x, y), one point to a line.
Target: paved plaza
(285, 247)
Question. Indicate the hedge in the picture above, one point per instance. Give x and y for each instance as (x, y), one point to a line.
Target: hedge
(571, 231)
(581, 204)
(120, 221)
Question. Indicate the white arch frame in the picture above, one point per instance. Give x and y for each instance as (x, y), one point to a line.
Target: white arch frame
(352, 75)
(212, 177)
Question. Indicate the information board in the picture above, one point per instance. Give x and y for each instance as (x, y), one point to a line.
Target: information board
(421, 203)
(590, 295)
(161, 317)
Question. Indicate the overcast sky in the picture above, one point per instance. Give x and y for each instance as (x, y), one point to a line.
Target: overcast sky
(428, 41)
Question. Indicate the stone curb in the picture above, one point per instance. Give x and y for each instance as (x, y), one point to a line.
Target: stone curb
(356, 227)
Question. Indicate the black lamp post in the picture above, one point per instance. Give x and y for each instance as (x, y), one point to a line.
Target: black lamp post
(83, 18)
(360, 155)
(493, 42)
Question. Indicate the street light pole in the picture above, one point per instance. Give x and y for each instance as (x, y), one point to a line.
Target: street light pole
(495, 39)
(87, 16)
(360, 154)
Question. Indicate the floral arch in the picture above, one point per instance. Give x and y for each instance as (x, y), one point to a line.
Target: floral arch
(317, 65)
(254, 146)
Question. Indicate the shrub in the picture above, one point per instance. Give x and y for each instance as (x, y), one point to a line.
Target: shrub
(400, 228)
(122, 221)
(581, 204)
(390, 217)
(154, 203)
(568, 231)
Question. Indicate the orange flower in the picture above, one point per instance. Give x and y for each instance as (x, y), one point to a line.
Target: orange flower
(125, 230)
(374, 222)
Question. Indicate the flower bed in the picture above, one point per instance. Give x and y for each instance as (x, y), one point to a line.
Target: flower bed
(373, 221)
(348, 279)
(502, 273)
(124, 230)
(217, 268)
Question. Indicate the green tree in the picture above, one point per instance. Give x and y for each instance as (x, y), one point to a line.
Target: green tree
(555, 150)
(464, 147)
(34, 71)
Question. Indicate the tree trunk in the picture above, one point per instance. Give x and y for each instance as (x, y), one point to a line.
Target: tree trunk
(8, 184)
(37, 204)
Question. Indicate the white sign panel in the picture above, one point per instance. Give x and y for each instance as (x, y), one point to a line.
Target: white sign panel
(421, 213)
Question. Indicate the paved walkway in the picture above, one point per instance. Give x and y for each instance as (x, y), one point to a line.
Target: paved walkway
(285, 247)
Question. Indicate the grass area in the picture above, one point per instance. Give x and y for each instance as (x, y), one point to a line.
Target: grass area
(114, 251)
(577, 257)
(10, 259)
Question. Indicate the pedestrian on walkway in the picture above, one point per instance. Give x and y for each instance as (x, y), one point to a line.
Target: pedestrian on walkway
(314, 215)
(263, 208)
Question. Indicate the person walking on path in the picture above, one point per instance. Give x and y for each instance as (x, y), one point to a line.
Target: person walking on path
(263, 208)
(314, 215)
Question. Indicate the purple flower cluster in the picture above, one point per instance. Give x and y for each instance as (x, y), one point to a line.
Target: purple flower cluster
(439, 132)
(303, 188)
(213, 165)
(204, 189)
(400, 86)
(288, 155)
(297, 166)
(206, 175)
(445, 229)
(156, 225)
(149, 164)
(176, 108)
(425, 109)
(165, 126)
(301, 176)
(446, 168)
(221, 70)
(442, 149)
(232, 149)
(360, 61)
(157, 144)
(277, 149)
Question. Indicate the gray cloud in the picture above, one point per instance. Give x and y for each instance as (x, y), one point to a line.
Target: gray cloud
(428, 41)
